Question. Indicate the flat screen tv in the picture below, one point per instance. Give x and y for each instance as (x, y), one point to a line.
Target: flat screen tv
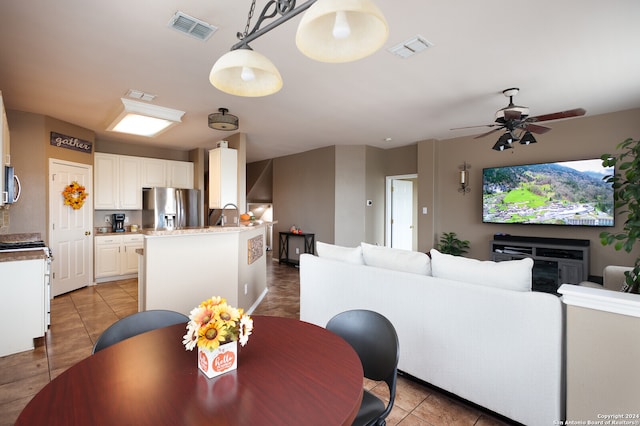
(561, 193)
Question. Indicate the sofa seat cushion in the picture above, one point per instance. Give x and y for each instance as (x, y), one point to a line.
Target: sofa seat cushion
(344, 254)
(396, 259)
(508, 275)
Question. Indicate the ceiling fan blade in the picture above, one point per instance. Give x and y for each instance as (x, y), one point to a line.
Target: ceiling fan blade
(534, 128)
(557, 115)
(489, 132)
(473, 127)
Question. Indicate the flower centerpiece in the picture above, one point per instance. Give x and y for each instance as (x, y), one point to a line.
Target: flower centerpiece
(216, 328)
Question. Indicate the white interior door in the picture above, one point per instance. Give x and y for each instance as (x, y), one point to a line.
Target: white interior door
(402, 214)
(70, 231)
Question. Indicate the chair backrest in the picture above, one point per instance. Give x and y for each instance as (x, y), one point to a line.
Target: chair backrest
(137, 323)
(374, 339)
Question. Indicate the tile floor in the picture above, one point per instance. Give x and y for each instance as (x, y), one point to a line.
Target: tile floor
(78, 318)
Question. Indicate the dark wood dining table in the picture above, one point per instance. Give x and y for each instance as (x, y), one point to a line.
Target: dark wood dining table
(289, 373)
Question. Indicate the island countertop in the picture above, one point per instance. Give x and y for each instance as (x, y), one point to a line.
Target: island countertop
(206, 229)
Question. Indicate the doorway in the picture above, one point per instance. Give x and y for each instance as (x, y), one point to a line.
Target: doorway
(70, 230)
(400, 217)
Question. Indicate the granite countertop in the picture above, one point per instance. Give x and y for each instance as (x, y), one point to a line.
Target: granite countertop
(30, 236)
(22, 255)
(106, 234)
(206, 229)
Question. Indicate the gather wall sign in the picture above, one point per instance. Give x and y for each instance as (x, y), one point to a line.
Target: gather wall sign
(69, 142)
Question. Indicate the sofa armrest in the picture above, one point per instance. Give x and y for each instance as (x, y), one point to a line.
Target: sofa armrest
(613, 277)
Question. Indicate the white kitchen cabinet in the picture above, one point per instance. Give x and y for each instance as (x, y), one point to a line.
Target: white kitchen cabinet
(105, 176)
(223, 177)
(115, 256)
(23, 315)
(180, 174)
(154, 173)
(117, 182)
(129, 183)
(129, 258)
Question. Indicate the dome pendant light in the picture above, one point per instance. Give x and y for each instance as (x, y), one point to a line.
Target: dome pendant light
(245, 72)
(341, 30)
(223, 121)
(330, 31)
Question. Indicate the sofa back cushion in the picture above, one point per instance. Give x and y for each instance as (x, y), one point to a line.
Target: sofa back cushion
(344, 254)
(396, 259)
(508, 275)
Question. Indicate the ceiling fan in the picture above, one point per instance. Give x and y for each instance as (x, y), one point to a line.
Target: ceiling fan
(514, 118)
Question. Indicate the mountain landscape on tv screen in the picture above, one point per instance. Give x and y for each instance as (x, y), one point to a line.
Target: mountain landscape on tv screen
(551, 194)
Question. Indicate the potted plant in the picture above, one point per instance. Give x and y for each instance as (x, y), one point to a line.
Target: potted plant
(451, 244)
(626, 194)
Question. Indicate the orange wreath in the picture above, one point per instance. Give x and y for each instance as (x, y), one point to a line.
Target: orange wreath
(74, 195)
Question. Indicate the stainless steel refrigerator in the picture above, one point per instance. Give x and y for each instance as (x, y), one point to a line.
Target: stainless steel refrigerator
(170, 208)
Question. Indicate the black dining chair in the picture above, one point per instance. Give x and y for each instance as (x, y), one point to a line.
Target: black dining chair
(137, 323)
(374, 339)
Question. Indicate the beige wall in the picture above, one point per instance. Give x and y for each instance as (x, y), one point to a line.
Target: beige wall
(350, 190)
(375, 191)
(602, 373)
(30, 153)
(574, 139)
(304, 194)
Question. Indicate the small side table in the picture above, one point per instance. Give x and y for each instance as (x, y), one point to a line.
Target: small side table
(309, 246)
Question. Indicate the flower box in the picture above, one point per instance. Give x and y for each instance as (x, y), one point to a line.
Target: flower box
(214, 362)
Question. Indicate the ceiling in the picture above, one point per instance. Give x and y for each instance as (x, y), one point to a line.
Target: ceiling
(73, 60)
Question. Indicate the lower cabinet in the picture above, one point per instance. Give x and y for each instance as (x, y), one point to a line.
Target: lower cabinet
(23, 312)
(116, 257)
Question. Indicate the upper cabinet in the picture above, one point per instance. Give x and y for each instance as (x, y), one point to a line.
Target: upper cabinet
(166, 173)
(119, 179)
(223, 177)
(154, 173)
(180, 174)
(117, 182)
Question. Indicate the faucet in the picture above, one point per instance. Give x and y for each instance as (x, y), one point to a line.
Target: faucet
(237, 216)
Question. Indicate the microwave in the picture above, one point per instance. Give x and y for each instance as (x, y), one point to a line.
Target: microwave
(11, 190)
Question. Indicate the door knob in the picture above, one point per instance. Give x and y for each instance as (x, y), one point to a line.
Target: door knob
(87, 232)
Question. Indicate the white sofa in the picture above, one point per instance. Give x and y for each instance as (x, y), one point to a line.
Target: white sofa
(501, 349)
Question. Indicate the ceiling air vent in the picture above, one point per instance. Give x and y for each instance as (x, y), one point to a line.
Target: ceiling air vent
(191, 26)
(410, 47)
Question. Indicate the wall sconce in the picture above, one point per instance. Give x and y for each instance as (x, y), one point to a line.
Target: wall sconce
(464, 178)
(329, 31)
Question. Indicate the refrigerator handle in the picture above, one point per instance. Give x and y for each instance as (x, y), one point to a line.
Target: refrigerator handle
(180, 221)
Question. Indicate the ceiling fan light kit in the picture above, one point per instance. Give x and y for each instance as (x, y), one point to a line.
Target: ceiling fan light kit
(330, 31)
(514, 118)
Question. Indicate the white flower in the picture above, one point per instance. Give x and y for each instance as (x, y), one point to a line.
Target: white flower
(191, 338)
(246, 326)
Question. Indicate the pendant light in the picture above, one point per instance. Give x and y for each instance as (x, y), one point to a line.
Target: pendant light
(245, 72)
(341, 30)
(330, 31)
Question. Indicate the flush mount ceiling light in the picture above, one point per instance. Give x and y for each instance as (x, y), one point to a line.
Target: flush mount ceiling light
(142, 119)
(330, 31)
(223, 121)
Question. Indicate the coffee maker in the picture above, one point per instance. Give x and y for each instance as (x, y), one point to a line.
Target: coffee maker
(117, 222)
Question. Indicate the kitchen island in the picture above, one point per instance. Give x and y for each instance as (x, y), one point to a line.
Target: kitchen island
(181, 268)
